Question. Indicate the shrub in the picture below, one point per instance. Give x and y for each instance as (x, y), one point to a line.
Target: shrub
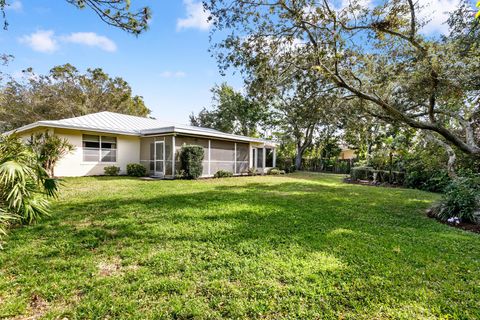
(461, 199)
(275, 171)
(252, 172)
(179, 174)
(290, 168)
(25, 187)
(191, 157)
(362, 173)
(428, 180)
(111, 170)
(223, 174)
(136, 170)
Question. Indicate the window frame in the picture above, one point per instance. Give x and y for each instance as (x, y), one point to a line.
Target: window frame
(100, 148)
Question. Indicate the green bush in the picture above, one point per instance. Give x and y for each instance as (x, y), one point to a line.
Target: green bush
(290, 168)
(362, 173)
(180, 174)
(136, 170)
(428, 180)
(191, 157)
(461, 199)
(275, 171)
(111, 170)
(223, 174)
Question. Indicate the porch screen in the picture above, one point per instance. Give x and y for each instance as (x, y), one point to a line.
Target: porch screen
(223, 156)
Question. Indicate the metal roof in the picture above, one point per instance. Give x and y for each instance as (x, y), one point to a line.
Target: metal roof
(111, 122)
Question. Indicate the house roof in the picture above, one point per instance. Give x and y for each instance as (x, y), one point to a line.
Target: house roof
(111, 122)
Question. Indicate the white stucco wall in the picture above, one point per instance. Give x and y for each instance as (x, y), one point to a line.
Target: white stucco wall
(72, 165)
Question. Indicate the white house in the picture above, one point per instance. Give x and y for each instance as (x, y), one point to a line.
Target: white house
(106, 138)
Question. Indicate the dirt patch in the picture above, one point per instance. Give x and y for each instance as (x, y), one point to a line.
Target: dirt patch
(109, 268)
(114, 267)
(36, 309)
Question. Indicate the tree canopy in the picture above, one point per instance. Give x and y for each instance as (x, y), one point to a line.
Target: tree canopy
(65, 92)
(372, 54)
(231, 112)
(117, 13)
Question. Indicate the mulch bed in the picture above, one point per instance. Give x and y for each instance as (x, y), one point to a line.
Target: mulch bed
(462, 225)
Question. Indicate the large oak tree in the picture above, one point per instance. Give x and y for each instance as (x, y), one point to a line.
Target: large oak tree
(375, 53)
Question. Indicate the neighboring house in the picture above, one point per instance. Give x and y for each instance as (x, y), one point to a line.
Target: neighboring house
(347, 153)
(106, 138)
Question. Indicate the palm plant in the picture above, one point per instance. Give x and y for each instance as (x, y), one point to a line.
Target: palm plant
(49, 149)
(24, 184)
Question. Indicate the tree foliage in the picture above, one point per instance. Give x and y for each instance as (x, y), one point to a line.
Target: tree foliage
(231, 112)
(117, 13)
(377, 55)
(64, 93)
(49, 149)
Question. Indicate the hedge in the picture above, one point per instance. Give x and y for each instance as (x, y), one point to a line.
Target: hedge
(191, 157)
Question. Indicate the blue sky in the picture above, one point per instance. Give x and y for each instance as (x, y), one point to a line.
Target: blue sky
(169, 65)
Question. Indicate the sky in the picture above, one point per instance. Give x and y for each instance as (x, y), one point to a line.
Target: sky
(169, 65)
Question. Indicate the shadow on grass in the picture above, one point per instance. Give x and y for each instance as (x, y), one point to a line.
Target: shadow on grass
(358, 235)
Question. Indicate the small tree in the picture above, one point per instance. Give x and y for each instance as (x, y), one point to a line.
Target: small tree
(49, 149)
(191, 157)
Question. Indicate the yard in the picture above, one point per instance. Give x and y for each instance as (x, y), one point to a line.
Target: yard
(296, 246)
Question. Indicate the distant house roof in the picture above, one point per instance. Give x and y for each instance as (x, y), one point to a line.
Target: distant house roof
(111, 122)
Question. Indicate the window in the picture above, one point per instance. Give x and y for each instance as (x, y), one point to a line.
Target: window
(99, 148)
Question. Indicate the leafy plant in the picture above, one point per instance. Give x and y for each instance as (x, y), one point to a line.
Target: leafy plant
(223, 174)
(25, 186)
(275, 171)
(111, 170)
(191, 157)
(49, 149)
(461, 199)
(179, 174)
(252, 172)
(136, 170)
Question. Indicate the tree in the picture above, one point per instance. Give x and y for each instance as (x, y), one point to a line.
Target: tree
(64, 93)
(116, 13)
(49, 149)
(374, 54)
(24, 185)
(232, 112)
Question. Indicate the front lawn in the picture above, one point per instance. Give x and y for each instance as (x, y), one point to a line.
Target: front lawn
(298, 246)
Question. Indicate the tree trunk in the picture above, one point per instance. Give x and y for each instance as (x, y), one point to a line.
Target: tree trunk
(452, 156)
(298, 158)
(390, 177)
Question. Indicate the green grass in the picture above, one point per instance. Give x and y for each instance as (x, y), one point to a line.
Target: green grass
(297, 246)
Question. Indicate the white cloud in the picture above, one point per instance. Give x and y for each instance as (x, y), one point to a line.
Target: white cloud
(437, 12)
(14, 6)
(91, 39)
(46, 41)
(171, 74)
(197, 17)
(41, 41)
